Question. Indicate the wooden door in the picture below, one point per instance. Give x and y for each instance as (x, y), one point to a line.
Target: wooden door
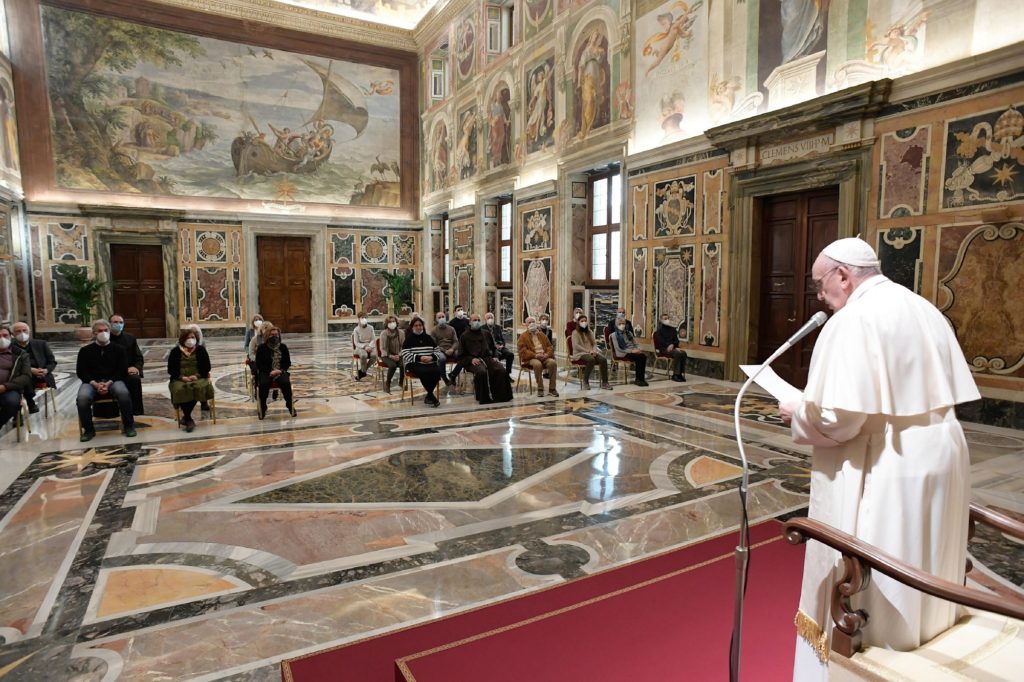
(138, 275)
(794, 230)
(284, 282)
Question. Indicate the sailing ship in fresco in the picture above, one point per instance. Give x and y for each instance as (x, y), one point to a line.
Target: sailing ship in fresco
(305, 151)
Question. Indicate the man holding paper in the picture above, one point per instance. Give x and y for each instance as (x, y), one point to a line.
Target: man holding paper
(890, 462)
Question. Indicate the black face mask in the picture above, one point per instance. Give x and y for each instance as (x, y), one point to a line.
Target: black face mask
(274, 341)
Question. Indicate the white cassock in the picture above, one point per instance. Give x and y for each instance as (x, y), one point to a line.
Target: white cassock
(890, 464)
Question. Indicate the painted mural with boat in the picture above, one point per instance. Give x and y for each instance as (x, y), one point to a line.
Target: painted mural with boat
(145, 110)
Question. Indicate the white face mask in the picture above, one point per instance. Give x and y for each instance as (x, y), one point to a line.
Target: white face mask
(583, 325)
(392, 325)
(621, 327)
(22, 337)
(441, 322)
(190, 343)
(620, 316)
(577, 316)
(532, 326)
(257, 324)
(363, 321)
(103, 338)
(544, 324)
(667, 323)
(490, 321)
(5, 342)
(460, 314)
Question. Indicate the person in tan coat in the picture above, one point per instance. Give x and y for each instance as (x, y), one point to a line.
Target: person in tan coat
(535, 352)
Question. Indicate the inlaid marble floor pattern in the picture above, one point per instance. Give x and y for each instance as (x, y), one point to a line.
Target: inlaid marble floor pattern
(216, 554)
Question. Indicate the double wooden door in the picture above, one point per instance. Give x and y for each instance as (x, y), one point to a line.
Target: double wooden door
(794, 230)
(284, 282)
(138, 275)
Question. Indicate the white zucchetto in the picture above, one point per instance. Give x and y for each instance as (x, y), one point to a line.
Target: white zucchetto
(851, 251)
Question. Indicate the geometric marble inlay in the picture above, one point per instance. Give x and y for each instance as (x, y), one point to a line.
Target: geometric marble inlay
(705, 470)
(422, 476)
(132, 589)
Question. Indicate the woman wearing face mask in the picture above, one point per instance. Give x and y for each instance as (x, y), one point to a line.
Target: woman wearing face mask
(204, 405)
(423, 359)
(391, 340)
(258, 336)
(253, 330)
(584, 349)
(189, 368)
(625, 347)
(570, 326)
(272, 364)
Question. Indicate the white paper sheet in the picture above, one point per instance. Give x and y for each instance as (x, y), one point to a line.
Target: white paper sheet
(779, 388)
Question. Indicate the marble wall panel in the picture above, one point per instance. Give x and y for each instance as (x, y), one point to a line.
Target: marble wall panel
(905, 157)
(212, 294)
(979, 266)
(536, 274)
(674, 213)
(983, 162)
(371, 292)
(580, 238)
(7, 279)
(56, 241)
(537, 226)
(899, 250)
(210, 246)
(638, 303)
(638, 212)
(210, 274)
(355, 261)
(464, 286)
(462, 240)
(674, 287)
(507, 310)
(601, 307)
(712, 195)
(404, 250)
(709, 333)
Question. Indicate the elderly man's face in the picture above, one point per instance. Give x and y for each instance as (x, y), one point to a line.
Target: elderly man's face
(19, 328)
(832, 282)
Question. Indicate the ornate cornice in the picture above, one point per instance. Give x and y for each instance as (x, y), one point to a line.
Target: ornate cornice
(439, 18)
(303, 19)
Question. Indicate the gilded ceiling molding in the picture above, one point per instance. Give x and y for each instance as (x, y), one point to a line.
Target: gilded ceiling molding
(438, 19)
(305, 20)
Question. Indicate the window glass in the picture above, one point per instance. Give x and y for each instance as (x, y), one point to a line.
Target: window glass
(506, 263)
(599, 256)
(616, 198)
(616, 244)
(600, 202)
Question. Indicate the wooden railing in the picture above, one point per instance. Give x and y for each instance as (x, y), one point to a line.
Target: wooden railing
(860, 558)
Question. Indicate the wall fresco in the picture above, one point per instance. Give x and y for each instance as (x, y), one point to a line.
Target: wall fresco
(539, 101)
(709, 333)
(537, 16)
(499, 126)
(905, 157)
(984, 159)
(464, 49)
(10, 163)
(592, 80)
(466, 149)
(439, 148)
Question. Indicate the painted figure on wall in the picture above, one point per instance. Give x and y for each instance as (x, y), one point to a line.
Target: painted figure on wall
(465, 48)
(499, 119)
(465, 152)
(899, 50)
(8, 127)
(593, 83)
(675, 35)
(140, 109)
(540, 106)
(803, 25)
(439, 158)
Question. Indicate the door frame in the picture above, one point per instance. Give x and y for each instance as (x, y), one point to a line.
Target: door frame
(168, 243)
(317, 265)
(849, 170)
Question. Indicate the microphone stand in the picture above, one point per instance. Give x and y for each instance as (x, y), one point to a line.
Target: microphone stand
(743, 548)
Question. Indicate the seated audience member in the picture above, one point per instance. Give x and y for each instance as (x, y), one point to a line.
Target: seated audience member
(364, 345)
(460, 322)
(445, 338)
(544, 323)
(423, 359)
(620, 316)
(200, 341)
(584, 347)
(188, 365)
(15, 376)
(404, 325)
(478, 356)
(498, 334)
(535, 353)
(570, 326)
(257, 339)
(133, 379)
(272, 364)
(625, 346)
(252, 330)
(41, 358)
(391, 340)
(666, 340)
(102, 366)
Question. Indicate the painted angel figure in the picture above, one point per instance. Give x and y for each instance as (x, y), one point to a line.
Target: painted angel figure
(898, 48)
(675, 37)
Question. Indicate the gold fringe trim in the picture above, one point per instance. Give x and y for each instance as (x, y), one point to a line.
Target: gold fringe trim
(811, 632)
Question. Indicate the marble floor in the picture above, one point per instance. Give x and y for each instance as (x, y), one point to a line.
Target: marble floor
(216, 554)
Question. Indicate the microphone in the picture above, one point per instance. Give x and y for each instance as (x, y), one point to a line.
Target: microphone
(743, 548)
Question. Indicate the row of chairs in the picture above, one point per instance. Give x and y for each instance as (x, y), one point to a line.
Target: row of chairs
(22, 419)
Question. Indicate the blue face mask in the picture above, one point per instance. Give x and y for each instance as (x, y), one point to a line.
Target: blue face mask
(117, 327)
(475, 324)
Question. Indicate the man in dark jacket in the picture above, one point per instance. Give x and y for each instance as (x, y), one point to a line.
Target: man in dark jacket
(666, 340)
(490, 381)
(42, 362)
(102, 366)
(15, 376)
(498, 334)
(128, 343)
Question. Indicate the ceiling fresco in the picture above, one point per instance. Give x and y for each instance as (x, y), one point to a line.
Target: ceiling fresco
(398, 13)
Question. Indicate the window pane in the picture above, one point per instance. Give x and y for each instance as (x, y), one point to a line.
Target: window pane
(506, 222)
(616, 198)
(600, 202)
(616, 244)
(599, 257)
(447, 262)
(506, 264)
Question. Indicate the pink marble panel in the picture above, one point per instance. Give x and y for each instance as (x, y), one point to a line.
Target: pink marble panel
(905, 156)
(212, 294)
(711, 294)
(713, 201)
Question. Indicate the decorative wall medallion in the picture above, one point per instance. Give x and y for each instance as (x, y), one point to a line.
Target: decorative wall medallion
(374, 250)
(674, 207)
(465, 47)
(537, 226)
(211, 247)
(462, 241)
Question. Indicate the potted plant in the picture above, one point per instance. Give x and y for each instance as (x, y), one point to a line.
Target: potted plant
(83, 294)
(400, 289)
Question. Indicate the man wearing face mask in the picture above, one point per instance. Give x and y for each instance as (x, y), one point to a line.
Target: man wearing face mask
(15, 376)
(620, 316)
(535, 352)
(445, 338)
(102, 366)
(460, 321)
(364, 345)
(666, 340)
(624, 346)
(42, 360)
(133, 379)
(498, 334)
(477, 356)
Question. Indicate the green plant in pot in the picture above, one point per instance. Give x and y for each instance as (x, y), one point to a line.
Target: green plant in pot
(400, 288)
(83, 294)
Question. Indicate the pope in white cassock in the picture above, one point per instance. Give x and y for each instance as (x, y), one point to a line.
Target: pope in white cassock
(890, 463)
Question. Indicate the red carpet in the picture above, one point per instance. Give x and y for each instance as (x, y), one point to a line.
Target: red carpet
(674, 628)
